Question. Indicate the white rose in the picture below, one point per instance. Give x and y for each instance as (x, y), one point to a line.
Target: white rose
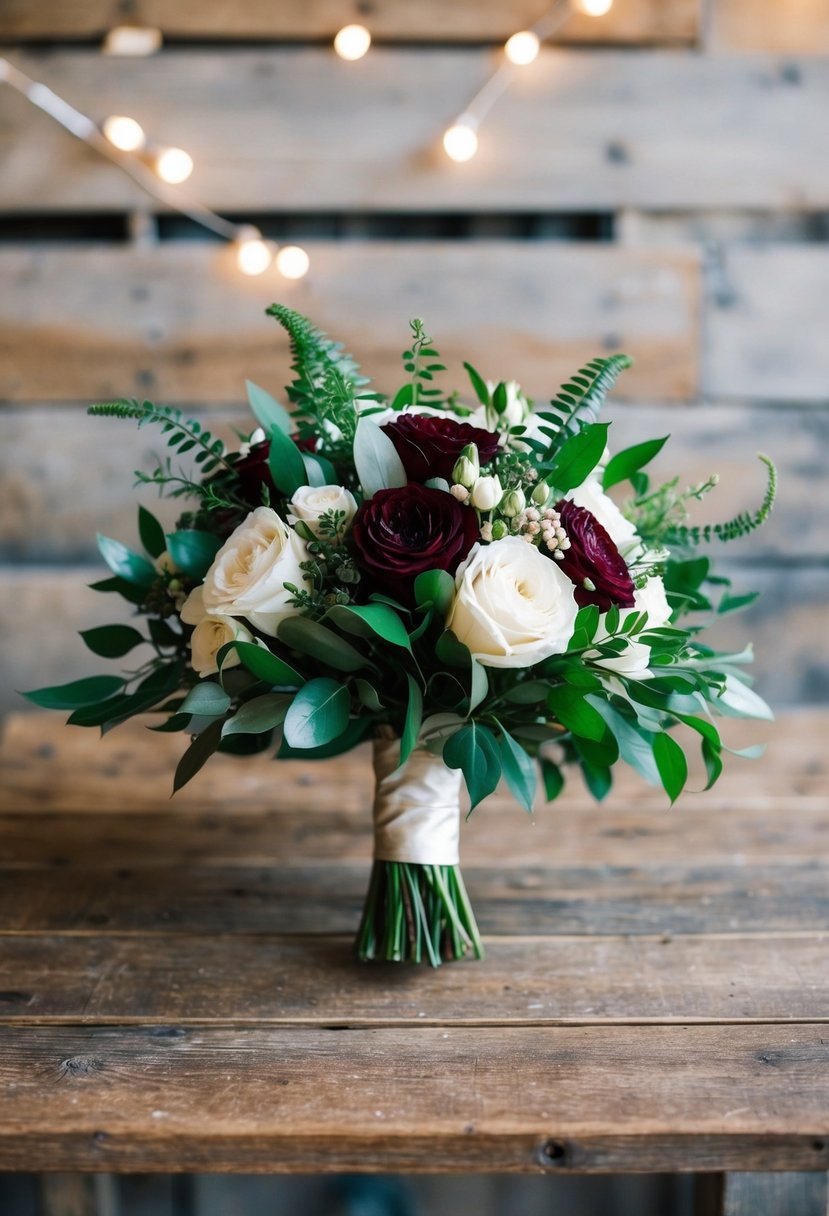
(513, 606)
(487, 492)
(211, 633)
(310, 503)
(249, 573)
(257, 436)
(652, 599)
(592, 497)
(634, 660)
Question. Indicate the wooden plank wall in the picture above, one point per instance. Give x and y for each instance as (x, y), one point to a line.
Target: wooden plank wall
(656, 182)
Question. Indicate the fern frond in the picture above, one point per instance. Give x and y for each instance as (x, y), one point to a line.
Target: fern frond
(313, 356)
(740, 525)
(182, 434)
(578, 402)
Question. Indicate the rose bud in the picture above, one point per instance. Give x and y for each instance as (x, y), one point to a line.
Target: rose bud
(430, 444)
(467, 467)
(592, 561)
(487, 493)
(513, 503)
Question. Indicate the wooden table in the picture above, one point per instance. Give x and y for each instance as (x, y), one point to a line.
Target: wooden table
(177, 991)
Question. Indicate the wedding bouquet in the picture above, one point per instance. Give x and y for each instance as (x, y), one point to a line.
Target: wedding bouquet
(445, 575)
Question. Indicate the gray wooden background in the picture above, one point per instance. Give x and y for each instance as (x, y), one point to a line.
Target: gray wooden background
(658, 182)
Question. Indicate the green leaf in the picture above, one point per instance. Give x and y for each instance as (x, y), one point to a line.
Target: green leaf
(597, 778)
(77, 693)
(635, 744)
(375, 459)
(474, 751)
(112, 641)
(671, 765)
(478, 383)
(318, 713)
(519, 770)
(151, 533)
(435, 587)
(197, 755)
(266, 409)
(267, 666)
(553, 779)
(450, 651)
(578, 456)
(528, 693)
(311, 638)
(207, 699)
(193, 551)
(479, 683)
(713, 763)
(285, 463)
(127, 565)
(627, 462)
(736, 603)
(128, 591)
(258, 715)
(367, 695)
(354, 733)
(737, 700)
(414, 717)
(499, 397)
(318, 470)
(371, 620)
(573, 711)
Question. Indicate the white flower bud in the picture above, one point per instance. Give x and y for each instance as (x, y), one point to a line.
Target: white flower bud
(487, 492)
(460, 492)
(513, 503)
(466, 471)
(541, 494)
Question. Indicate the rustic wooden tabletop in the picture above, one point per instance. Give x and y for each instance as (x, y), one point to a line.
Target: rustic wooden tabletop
(177, 990)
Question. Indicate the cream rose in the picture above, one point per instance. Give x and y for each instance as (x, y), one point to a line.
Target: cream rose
(634, 660)
(249, 573)
(513, 606)
(621, 531)
(310, 503)
(652, 599)
(210, 634)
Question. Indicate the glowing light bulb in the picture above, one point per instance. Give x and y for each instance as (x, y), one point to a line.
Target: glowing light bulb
(460, 141)
(132, 40)
(594, 8)
(522, 48)
(352, 42)
(174, 165)
(293, 262)
(124, 133)
(253, 255)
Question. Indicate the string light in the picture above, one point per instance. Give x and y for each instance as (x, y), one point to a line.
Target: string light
(132, 40)
(522, 48)
(173, 165)
(253, 254)
(124, 133)
(292, 262)
(460, 141)
(352, 42)
(594, 8)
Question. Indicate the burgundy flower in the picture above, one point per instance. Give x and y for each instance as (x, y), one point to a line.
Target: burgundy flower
(429, 444)
(593, 556)
(400, 533)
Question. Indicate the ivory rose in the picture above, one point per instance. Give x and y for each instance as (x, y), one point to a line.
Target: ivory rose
(310, 503)
(249, 573)
(210, 634)
(513, 606)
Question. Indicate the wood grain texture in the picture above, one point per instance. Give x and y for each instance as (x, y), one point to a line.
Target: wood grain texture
(773, 1195)
(180, 323)
(762, 340)
(790, 26)
(184, 980)
(559, 1098)
(298, 897)
(582, 130)
(427, 21)
(51, 512)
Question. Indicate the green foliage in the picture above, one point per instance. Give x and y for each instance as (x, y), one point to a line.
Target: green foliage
(193, 551)
(577, 457)
(112, 641)
(376, 460)
(741, 525)
(578, 402)
(626, 463)
(474, 751)
(317, 715)
(285, 463)
(416, 361)
(314, 357)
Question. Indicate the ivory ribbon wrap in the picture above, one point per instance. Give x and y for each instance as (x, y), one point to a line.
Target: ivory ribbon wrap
(416, 807)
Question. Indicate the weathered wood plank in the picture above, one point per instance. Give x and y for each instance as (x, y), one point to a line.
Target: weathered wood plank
(395, 20)
(795, 27)
(762, 341)
(172, 979)
(772, 1195)
(50, 511)
(645, 1098)
(180, 323)
(786, 626)
(296, 898)
(287, 129)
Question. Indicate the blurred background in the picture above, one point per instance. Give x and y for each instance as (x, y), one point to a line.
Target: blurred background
(655, 181)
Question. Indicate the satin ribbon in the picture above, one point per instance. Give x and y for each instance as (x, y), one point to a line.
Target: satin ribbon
(416, 807)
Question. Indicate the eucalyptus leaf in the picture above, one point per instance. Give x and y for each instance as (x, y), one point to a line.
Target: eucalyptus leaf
(267, 666)
(311, 638)
(258, 715)
(131, 567)
(435, 587)
(266, 409)
(474, 751)
(197, 755)
(193, 551)
(376, 460)
(207, 698)
(318, 714)
(151, 533)
(285, 463)
(519, 770)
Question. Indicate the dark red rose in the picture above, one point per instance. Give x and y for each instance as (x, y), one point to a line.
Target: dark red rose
(429, 444)
(593, 556)
(398, 534)
(253, 469)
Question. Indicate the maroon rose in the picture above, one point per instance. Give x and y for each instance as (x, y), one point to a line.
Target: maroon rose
(593, 557)
(429, 444)
(399, 533)
(253, 471)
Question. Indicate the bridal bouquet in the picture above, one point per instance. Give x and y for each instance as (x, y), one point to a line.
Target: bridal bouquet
(445, 575)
